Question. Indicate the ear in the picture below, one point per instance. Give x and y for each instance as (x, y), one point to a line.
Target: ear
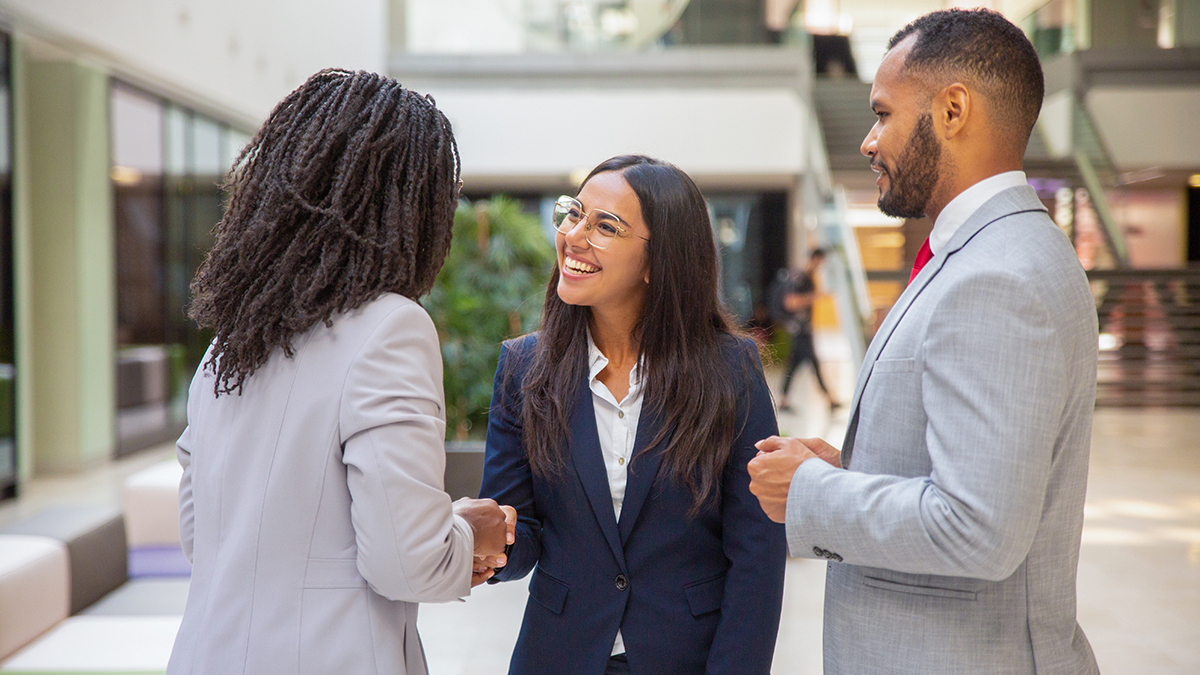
(953, 108)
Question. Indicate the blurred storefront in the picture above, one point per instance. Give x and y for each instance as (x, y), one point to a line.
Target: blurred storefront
(118, 121)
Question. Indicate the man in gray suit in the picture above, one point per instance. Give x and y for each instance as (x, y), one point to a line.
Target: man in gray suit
(953, 529)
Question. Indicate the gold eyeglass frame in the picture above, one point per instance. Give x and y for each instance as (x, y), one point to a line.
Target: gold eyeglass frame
(623, 228)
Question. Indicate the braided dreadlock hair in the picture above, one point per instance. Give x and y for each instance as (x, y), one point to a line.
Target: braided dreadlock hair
(347, 191)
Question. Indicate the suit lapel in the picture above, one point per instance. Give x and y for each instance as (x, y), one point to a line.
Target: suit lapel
(642, 469)
(1012, 201)
(589, 466)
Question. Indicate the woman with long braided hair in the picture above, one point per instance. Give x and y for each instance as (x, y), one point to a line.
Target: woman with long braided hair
(312, 505)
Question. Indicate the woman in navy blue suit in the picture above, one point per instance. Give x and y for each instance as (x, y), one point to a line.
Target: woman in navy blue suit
(621, 431)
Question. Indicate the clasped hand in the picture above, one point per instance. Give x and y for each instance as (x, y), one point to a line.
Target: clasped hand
(495, 527)
(772, 469)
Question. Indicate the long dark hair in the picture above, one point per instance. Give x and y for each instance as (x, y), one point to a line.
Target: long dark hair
(347, 191)
(682, 333)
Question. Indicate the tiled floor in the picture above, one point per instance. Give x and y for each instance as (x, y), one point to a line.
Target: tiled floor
(1139, 570)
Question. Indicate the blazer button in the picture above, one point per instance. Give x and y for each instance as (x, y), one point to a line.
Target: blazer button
(622, 582)
(819, 552)
(835, 557)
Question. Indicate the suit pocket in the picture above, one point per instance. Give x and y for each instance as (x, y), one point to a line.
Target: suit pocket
(932, 591)
(705, 596)
(894, 366)
(548, 591)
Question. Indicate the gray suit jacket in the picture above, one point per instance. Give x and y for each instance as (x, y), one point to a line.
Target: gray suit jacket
(312, 506)
(954, 534)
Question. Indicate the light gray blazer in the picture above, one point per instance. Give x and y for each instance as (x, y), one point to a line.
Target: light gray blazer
(312, 505)
(954, 534)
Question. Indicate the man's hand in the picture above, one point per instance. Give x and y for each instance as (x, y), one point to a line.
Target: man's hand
(821, 449)
(494, 525)
(772, 469)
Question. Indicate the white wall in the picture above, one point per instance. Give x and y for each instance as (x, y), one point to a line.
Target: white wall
(547, 132)
(242, 55)
(1148, 126)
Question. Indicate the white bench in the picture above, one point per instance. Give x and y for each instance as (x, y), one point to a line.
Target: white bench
(96, 550)
(150, 501)
(35, 588)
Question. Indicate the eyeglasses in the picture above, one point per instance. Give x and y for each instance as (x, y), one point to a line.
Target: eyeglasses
(600, 225)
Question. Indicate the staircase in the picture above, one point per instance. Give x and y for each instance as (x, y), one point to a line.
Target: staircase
(844, 110)
(1150, 337)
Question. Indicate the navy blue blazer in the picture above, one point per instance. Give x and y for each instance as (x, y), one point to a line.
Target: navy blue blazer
(690, 595)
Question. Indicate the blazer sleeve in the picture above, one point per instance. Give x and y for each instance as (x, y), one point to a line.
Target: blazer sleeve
(994, 382)
(411, 546)
(507, 477)
(756, 547)
(183, 452)
(187, 507)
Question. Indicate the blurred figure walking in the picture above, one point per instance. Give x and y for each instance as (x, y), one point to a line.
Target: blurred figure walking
(790, 301)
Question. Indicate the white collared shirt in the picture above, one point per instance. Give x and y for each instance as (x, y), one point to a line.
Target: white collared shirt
(616, 422)
(967, 203)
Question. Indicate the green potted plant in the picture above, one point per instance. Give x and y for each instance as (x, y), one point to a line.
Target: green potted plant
(490, 289)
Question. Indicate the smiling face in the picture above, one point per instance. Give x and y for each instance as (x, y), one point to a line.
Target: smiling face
(611, 279)
(903, 147)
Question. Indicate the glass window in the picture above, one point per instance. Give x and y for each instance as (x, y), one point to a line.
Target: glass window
(8, 449)
(168, 162)
(137, 122)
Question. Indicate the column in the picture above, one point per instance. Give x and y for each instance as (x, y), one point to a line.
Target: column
(68, 278)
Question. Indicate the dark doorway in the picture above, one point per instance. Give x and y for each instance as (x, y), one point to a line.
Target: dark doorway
(1193, 219)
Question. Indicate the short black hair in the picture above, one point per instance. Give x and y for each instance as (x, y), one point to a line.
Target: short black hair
(981, 48)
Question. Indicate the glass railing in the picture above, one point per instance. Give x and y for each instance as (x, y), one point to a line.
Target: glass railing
(1100, 177)
(1053, 28)
(846, 278)
(590, 25)
(1063, 26)
(583, 26)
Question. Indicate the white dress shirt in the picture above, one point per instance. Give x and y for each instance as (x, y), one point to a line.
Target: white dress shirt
(616, 422)
(967, 203)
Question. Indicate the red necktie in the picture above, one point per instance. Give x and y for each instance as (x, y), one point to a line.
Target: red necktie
(923, 256)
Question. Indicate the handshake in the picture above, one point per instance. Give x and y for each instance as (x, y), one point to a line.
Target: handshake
(495, 529)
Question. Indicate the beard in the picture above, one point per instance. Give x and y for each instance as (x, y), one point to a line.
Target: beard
(915, 175)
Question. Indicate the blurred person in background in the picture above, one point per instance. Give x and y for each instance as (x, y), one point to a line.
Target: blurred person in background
(951, 518)
(621, 431)
(311, 504)
(791, 301)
